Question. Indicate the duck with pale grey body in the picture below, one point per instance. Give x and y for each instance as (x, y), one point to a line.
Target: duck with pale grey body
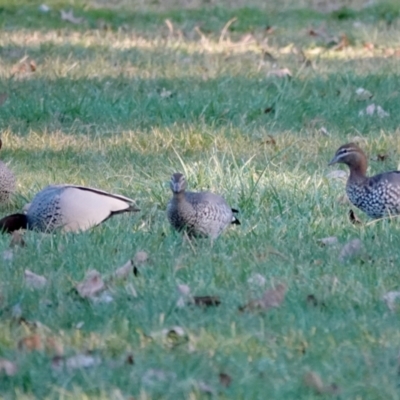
(7, 181)
(68, 208)
(200, 214)
(378, 195)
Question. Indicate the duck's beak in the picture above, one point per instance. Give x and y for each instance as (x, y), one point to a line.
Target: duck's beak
(333, 161)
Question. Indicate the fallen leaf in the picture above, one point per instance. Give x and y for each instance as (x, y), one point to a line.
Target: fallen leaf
(382, 157)
(54, 346)
(323, 131)
(91, 285)
(350, 250)
(272, 298)
(124, 271)
(280, 73)
(24, 66)
(183, 289)
(328, 241)
(33, 280)
(372, 109)
(152, 376)
(7, 367)
(363, 94)
(269, 57)
(269, 140)
(141, 257)
(3, 98)
(17, 239)
(390, 299)
(206, 301)
(69, 17)
(269, 29)
(369, 46)
(337, 174)
(381, 112)
(256, 280)
(224, 379)
(343, 43)
(166, 94)
(353, 218)
(82, 361)
(31, 343)
(314, 381)
(44, 8)
(205, 388)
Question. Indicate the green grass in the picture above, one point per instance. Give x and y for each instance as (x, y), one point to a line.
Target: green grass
(121, 109)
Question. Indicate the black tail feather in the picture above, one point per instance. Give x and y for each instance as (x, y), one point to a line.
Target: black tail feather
(235, 221)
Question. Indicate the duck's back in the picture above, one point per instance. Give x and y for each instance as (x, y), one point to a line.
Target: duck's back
(378, 195)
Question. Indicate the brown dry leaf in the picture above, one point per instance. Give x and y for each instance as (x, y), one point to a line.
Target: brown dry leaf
(353, 218)
(54, 346)
(369, 46)
(390, 299)
(314, 381)
(69, 17)
(31, 343)
(33, 280)
(32, 65)
(382, 157)
(124, 271)
(280, 73)
(7, 367)
(206, 301)
(3, 98)
(224, 379)
(91, 285)
(17, 239)
(269, 30)
(269, 140)
(350, 249)
(343, 43)
(272, 298)
(328, 241)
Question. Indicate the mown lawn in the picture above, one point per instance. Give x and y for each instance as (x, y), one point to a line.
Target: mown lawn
(129, 93)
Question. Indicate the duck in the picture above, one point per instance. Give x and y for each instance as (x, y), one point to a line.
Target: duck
(377, 196)
(68, 208)
(200, 214)
(7, 181)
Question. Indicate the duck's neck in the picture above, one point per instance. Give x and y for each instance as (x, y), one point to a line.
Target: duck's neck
(179, 196)
(358, 169)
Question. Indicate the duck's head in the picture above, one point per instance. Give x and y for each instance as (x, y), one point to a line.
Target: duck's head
(178, 183)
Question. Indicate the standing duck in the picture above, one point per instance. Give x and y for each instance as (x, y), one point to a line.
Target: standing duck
(200, 214)
(378, 195)
(69, 208)
(7, 181)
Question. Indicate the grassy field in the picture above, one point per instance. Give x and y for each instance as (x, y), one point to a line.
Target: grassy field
(128, 93)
